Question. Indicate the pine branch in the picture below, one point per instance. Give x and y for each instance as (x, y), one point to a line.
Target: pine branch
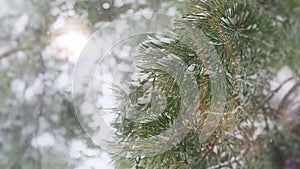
(9, 52)
(239, 33)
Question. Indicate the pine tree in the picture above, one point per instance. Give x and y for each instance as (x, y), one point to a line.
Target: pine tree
(229, 48)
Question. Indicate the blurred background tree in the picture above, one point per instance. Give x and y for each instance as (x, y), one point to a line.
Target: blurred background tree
(39, 45)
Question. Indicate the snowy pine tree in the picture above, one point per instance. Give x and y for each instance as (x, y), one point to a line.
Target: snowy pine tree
(230, 48)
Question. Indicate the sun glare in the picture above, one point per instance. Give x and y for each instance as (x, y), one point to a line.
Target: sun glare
(68, 38)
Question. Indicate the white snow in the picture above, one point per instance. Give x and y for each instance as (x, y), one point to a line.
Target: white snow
(62, 81)
(147, 13)
(17, 86)
(118, 3)
(38, 86)
(58, 23)
(97, 163)
(86, 108)
(95, 160)
(20, 24)
(283, 74)
(124, 67)
(44, 140)
(172, 11)
(106, 5)
(165, 40)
